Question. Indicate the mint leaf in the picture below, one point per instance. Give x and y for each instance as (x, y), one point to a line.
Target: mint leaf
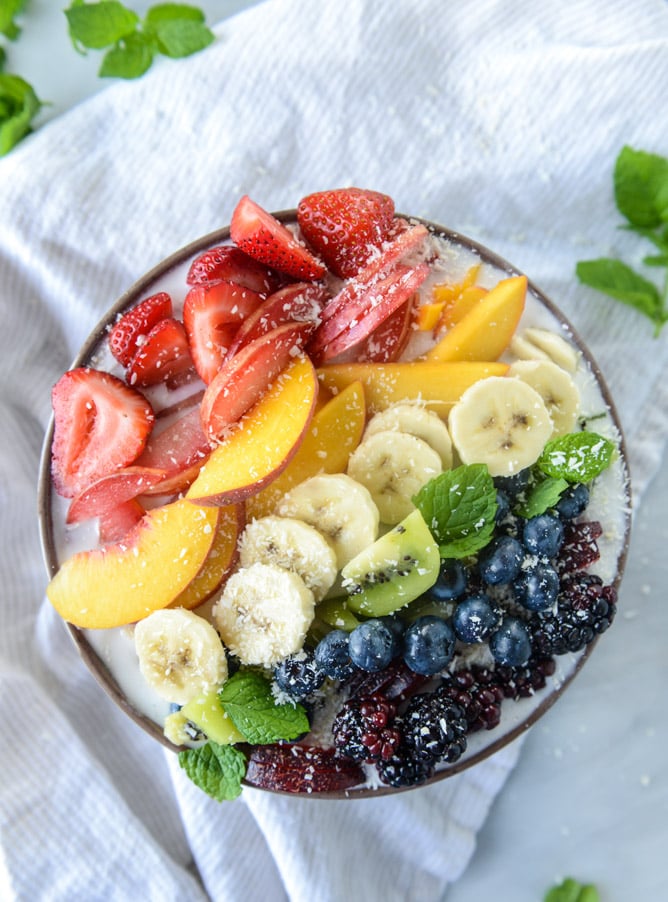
(248, 700)
(459, 507)
(622, 283)
(8, 10)
(571, 890)
(130, 58)
(542, 496)
(99, 25)
(168, 12)
(217, 769)
(182, 37)
(577, 457)
(641, 183)
(18, 107)
(3, 58)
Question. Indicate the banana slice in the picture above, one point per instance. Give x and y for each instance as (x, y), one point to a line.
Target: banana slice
(180, 654)
(393, 466)
(339, 508)
(543, 344)
(558, 391)
(293, 545)
(263, 614)
(500, 422)
(417, 421)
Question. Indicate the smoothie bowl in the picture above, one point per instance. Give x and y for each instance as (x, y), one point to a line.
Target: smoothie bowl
(334, 502)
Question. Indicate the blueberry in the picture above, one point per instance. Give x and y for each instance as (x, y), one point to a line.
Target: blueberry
(502, 505)
(396, 627)
(573, 502)
(543, 535)
(371, 645)
(451, 582)
(429, 644)
(500, 561)
(298, 674)
(474, 619)
(537, 587)
(513, 485)
(510, 645)
(332, 655)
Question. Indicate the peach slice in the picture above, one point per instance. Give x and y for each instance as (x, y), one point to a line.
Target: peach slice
(457, 309)
(485, 331)
(220, 560)
(126, 581)
(438, 385)
(262, 444)
(335, 431)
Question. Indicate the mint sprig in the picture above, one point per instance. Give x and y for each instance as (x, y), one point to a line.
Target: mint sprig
(459, 506)
(18, 107)
(248, 700)
(217, 769)
(570, 890)
(174, 30)
(9, 9)
(641, 194)
(541, 496)
(576, 457)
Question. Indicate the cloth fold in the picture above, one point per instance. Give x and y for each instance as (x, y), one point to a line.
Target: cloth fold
(502, 122)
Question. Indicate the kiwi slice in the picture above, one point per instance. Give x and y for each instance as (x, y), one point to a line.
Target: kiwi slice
(207, 713)
(395, 570)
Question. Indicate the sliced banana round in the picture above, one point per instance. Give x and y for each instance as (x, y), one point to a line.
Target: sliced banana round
(417, 421)
(293, 545)
(501, 422)
(180, 654)
(263, 614)
(339, 508)
(544, 344)
(394, 466)
(558, 391)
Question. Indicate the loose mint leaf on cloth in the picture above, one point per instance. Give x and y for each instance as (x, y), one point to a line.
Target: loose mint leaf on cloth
(99, 25)
(459, 507)
(8, 10)
(248, 700)
(577, 457)
(182, 37)
(217, 769)
(130, 58)
(571, 890)
(168, 12)
(18, 107)
(3, 58)
(619, 281)
(641, 183)
(542, 496)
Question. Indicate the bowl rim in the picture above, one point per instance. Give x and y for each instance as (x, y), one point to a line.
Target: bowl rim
(99, 668)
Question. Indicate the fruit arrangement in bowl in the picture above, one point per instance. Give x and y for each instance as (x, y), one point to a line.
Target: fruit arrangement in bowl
(334, 501)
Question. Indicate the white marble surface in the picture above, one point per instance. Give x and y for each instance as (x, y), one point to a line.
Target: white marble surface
(590, 796)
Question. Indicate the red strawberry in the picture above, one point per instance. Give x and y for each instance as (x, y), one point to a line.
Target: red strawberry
(231, 264)
(128, 332)
(387, 342)
(300, 768)
(267, 240)
(100, 426)
(345, 226)
(163, 357)
(212, 314)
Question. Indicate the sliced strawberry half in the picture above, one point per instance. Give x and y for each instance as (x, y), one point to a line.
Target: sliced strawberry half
(301, 302)
(230, 264)
(100, 425)
(212, 313)
(107, 493)
(264, 238)
(129, 331)
(345, 226)
(244, 378)
(163, 357)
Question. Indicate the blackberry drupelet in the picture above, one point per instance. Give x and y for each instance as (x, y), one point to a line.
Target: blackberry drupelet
(585, 608)
(404, 769)
(434, 727)
(364, 729)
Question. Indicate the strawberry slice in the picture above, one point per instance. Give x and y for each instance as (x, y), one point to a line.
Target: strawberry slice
(300, 302)
(132, 327)
(267, 240)
(116, 523)
(243, 378)
(163, 357)
(100, 425)
(105, 494)
(230, 264)
(345, 226)
(301, 768)
(212, 313)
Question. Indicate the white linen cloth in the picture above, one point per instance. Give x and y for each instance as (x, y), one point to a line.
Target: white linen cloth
(499, 120)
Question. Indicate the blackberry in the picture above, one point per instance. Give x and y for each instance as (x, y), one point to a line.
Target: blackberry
(434, 727)
(522, 682)
(585, 608)
(475, 691)
(364, 729)
(403, 769)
